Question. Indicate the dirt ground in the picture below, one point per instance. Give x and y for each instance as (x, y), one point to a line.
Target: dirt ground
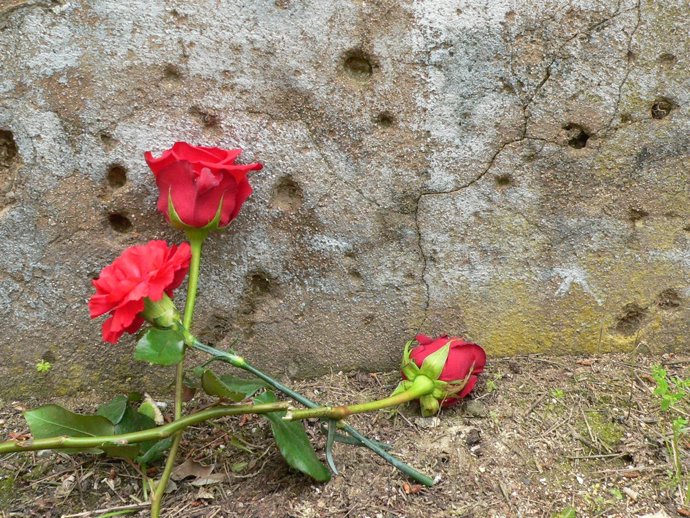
(540, 434)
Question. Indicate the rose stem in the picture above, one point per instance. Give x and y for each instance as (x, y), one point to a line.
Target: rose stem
(241, 363)
(196, 242)
(421, 386)
(160, 432)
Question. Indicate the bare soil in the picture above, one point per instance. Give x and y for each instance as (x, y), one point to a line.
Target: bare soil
(539, 434)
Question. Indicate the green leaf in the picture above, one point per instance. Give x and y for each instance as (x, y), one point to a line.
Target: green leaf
(155, 452)
(149, 408)
(568, 512)
(332, 424)
(126, 451)
(214, 386)
(132, 421)
(245, 386)
(434, 363)
(126, 419)
(293, 443)
(55, 421)
(114, 410)
(160, 346)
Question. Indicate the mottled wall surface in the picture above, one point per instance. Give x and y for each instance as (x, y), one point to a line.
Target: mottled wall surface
(515, 171)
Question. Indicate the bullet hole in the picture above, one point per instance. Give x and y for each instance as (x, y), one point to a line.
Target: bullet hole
(355, 276)
(259, 284)
(287, 196)
(661, 108)
(666, 60)
(207, 118)
(635, 215)
(172, 71)
(358, 65)
(117, 176)
(217, 327)
(626, 118)
(385, 119)
(108, 141)
(668, 299)
(577, 136)
(259, 287)
(119, 223)
(506, 85)
(504, 180)
(8, 148)
(631, 320)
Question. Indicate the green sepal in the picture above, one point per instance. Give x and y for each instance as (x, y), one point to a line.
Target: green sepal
(214, 386)
(199, 233)
(440, 389)
(406, 353)
(434, 363)
(293, 442)
(402, 387)
(429, 405)
(160, 346)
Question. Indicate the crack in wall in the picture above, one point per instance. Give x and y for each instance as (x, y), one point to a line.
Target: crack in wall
(547, 73)
(629, 67)
(420, 241)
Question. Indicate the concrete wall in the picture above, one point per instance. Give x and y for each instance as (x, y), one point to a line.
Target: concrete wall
(514, 171)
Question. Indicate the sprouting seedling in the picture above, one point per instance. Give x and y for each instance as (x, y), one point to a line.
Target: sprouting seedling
(670, 391)
(43, 366)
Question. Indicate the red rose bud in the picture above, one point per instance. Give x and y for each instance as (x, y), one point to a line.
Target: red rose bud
(452, 363)
(200, 187)
(137, 287)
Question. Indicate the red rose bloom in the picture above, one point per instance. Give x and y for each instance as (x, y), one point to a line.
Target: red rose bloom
(198, 179)
(462, 357)
(146, 271)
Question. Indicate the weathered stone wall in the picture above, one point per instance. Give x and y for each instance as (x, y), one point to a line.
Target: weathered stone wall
(515, 171)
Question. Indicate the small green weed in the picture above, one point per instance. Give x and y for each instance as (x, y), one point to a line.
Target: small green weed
(671, 391)
(43, 366)
(557, 393)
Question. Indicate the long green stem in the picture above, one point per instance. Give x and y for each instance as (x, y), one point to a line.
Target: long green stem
(241, 363)
(196, 242)
(161, 432)
(420, 387)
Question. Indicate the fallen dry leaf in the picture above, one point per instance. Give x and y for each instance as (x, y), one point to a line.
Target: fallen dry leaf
(18, 436)
(215, 478)
(191, 468)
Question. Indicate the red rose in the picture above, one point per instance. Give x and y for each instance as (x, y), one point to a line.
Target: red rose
(147, 271)
(462, 357)
(198, 179)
